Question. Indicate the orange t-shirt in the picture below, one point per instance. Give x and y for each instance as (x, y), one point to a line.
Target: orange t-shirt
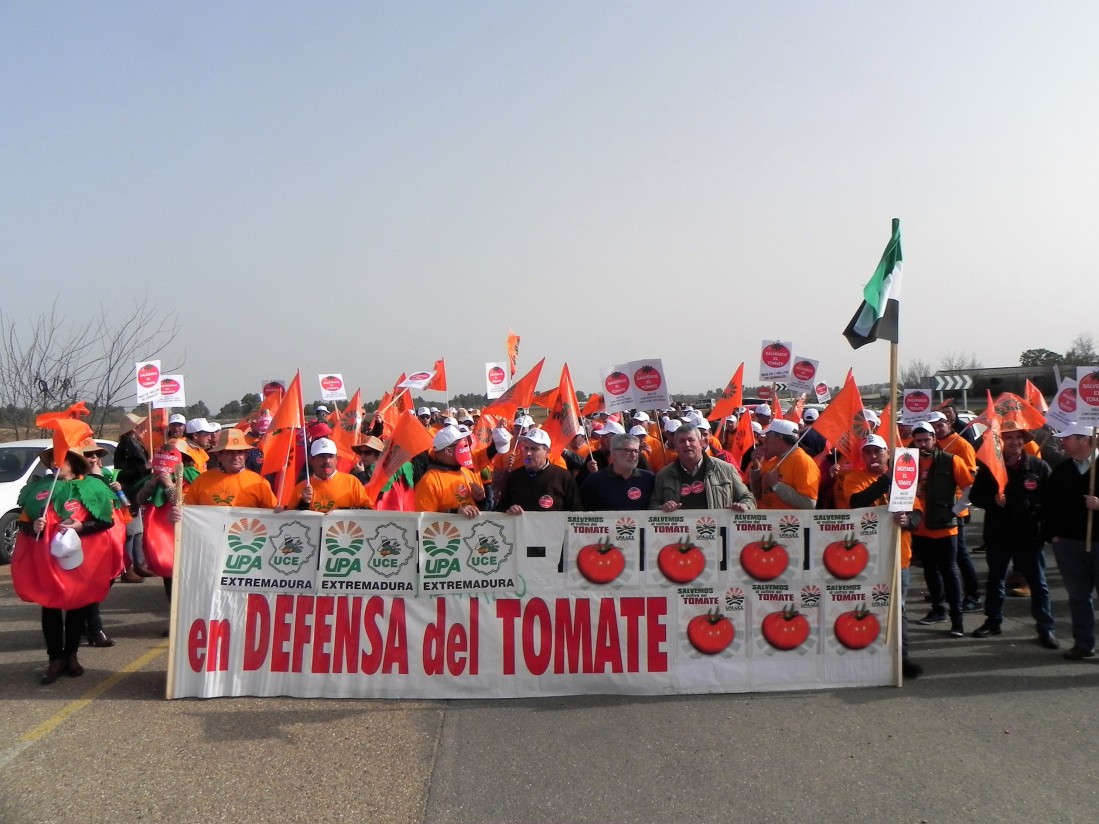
(446, 490)
(341, 491)
(244, 488)
(798, 471)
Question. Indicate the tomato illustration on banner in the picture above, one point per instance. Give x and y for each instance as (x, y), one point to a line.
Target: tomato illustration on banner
(906, 470)
(1087, 395)
(915, 406)
(775, 360)
(603, 550)
(803, 375)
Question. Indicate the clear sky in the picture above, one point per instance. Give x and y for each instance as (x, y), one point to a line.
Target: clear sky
(365, 187)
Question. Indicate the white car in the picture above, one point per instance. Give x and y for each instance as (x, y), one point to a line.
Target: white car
(19, 465)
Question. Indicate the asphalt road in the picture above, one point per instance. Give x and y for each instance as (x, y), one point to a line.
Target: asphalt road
(997, 730)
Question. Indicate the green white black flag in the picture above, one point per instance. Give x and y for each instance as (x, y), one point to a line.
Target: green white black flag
(877, 315)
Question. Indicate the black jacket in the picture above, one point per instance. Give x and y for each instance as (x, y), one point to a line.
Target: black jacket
(1019, 520)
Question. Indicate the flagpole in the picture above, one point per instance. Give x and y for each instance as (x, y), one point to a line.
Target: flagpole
(895, 605)
(1091, 491)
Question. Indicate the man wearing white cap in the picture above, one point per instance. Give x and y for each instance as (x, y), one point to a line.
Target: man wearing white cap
(326, 488)
(449, 485)
(949, 441)
(782, 475)
(811, 441)
(201, 437)
(1069, 505)
(538, 485)
(762, 415)
(177, 427)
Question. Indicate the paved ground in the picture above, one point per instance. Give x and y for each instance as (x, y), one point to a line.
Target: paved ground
(997, 730)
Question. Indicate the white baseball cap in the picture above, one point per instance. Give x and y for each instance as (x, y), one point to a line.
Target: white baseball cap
(763, 409)
(611, 428)
(538, 436)
(201, 425)
(177, 419)
(811, 415)
(448, 436)
(875, 441)
(1074, 428)
(322, 446)
(781, 427)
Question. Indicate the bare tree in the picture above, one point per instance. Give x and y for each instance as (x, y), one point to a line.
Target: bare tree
(958, 362)
(51, 363)
(1082, 352)
(914, 372)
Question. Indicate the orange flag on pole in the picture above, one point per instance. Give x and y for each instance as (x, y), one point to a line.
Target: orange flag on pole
(409, 439)
(796, 410)
(991, 453)
(345, 430)
(438, 383)
(593, 404)
(285, 426)
(731, 399)
(518, 395)
(743, 440)
(513, 351)
(1011, 407)
(545, 400)
(563, 423)
(1035, 398)
(776, 407)
(842, 423)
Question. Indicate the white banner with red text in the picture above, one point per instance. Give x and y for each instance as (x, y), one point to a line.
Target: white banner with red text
(359, 604)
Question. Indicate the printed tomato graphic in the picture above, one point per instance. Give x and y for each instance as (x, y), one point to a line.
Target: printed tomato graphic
(710, 633)
(905, 471)
(847, 558)
(496, 376)
(617, 383)
(787, 629)
(917, 401)
(1087, 389)
(600, 563)
(681, 563)
(647, 378)
(804, 370)
(857, 629)
(1066, 401)
(168, 386)
(148, 376)
(331, 383)
(776, 355)
(764, 560)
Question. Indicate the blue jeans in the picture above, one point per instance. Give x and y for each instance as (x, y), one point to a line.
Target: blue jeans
(1080, 573)
(971, 586)
(940, 569)
(1030, 562)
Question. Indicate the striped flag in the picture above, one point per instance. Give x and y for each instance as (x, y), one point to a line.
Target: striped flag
(877, 315)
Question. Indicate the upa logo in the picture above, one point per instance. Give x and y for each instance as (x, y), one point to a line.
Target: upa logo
(734, 598)
(879, 595)
(331, 383)
(441, 541)
(390, 549)
(488, 548)
(496, 376)
(647, 378)
(342, 542)
(804, 371)
(789, 526)
(292, 547)
(625, 529)
(905, 471)
(245, 538)
(810, 596)
(868, 524)
(706, 528)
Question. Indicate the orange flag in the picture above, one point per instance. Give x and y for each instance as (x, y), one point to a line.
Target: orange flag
(593, 404)
(1035, 398)
(794, 413)
(68, 433)
(1011, 407)
(731, 399)
(409, 440)
(991, 453)
(743, 440)
(438, 383)
(285, 426)
(345, 430)
(776, 407)
(513, 351)
(842, 424)
(888, 426)
(546, 399)
(563, 423)
(518, 394)
(77, 410)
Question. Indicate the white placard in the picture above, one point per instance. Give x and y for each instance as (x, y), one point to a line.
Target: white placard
(1087, 395)
(332, 387)
(172, 393)
(915, 406)
(639, 384)
(803, 376)
(496, 379)
(906, 476)
(1062, 409)
(147, 377)
(775, 359)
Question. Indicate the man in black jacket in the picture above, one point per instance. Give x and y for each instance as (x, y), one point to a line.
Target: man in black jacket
(1013, 532)
(1069, 506)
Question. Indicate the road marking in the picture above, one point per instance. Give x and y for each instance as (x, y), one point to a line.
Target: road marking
(73, 707)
